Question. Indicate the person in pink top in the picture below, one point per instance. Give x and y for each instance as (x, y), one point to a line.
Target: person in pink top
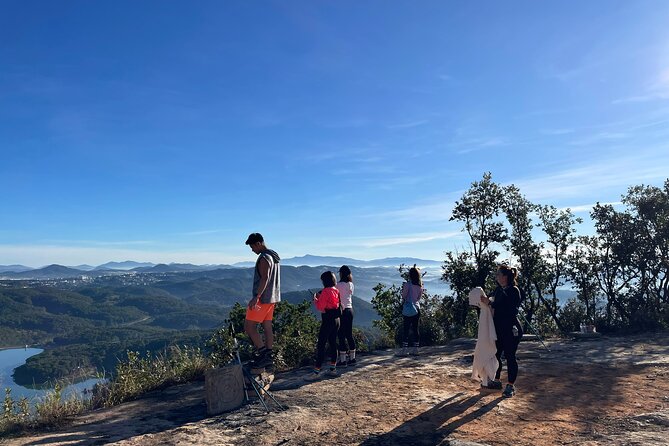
(327, 302)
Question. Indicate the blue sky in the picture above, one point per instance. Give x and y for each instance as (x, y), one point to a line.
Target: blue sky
(167, 131)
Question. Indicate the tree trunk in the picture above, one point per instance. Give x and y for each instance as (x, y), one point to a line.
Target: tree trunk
(224, 389)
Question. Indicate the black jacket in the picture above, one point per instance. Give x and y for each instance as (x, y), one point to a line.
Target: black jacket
(506, 304)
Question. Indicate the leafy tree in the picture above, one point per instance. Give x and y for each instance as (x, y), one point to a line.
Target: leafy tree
(388, 304)
(559, 227)
(479, 209)
(649, 207)
(612, 254)
(581, 271)
(461, 274)
(534, 276)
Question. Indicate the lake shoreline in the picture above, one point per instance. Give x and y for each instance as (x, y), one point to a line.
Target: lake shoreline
(18, 347)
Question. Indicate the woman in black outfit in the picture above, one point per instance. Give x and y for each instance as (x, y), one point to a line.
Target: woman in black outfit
(505, 302)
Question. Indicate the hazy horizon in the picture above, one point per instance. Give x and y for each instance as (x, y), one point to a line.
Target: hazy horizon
(250, 259)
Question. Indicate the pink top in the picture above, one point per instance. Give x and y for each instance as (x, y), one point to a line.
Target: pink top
(416, 292)
(328, 299)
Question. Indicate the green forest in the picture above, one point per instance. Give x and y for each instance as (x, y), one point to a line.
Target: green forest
(90, 328)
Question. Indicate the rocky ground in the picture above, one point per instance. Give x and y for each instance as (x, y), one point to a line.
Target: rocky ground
(601, 391)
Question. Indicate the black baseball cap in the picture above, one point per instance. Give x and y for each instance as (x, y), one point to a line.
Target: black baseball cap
(254, 238)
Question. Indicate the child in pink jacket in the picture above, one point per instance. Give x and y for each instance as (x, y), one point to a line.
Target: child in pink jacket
(327, 302)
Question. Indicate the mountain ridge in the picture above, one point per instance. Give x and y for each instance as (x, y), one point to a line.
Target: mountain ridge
(57, 271)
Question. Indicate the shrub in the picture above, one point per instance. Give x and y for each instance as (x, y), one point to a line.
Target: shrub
(140, 374)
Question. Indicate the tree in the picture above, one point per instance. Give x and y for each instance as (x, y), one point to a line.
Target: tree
(558, 225)
(649, 207)
(533, 267)
(388, 304)
(460, 272)
(479, 209)
(612, 255)
(581, 271)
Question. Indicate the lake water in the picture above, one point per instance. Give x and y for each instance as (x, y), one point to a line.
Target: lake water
(14, 357)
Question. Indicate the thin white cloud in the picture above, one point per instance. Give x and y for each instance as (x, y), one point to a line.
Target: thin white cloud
(642, 98)
(657, 89)
(586, 208)
(472, 145)
(598, 177)
(557, 132)
(99, 242)
(326, 155)
(408, 239)
(410, 124)
(204, 232)
(600, 137)
(346, 123)
(437, 210)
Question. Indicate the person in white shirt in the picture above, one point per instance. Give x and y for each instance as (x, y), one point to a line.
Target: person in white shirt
(346, 341)
(412, 292)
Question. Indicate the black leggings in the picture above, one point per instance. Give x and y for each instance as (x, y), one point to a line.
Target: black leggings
(411, 333)
(346, 331)
(507, 343)
(327, 334)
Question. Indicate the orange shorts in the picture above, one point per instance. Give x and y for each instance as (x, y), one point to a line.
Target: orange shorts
(260, 313)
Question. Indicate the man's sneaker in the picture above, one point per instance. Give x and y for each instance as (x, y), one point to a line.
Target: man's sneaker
(351, 362)
(314, 375)
(263, 358)
(332, 371)
(414, 351)
(493, 385)
(404, 351)
(509, 391)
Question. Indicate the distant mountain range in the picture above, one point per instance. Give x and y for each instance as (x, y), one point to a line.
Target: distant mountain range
(312, 260)
(64, 272)
(127, 265)
(14, 268)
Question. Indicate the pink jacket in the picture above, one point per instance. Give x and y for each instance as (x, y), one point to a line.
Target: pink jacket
(327, 300)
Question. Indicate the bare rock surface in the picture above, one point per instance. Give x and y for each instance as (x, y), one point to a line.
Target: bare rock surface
(599, 391)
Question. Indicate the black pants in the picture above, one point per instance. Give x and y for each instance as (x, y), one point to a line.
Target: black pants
(327, 334)
(411, 333)
(346, 331)
(507, 343)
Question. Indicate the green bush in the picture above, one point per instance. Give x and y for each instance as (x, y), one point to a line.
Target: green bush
(572, 315)
(140, 374)
(50, 411)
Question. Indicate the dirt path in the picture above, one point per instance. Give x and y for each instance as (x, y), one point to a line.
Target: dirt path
(607, 391)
